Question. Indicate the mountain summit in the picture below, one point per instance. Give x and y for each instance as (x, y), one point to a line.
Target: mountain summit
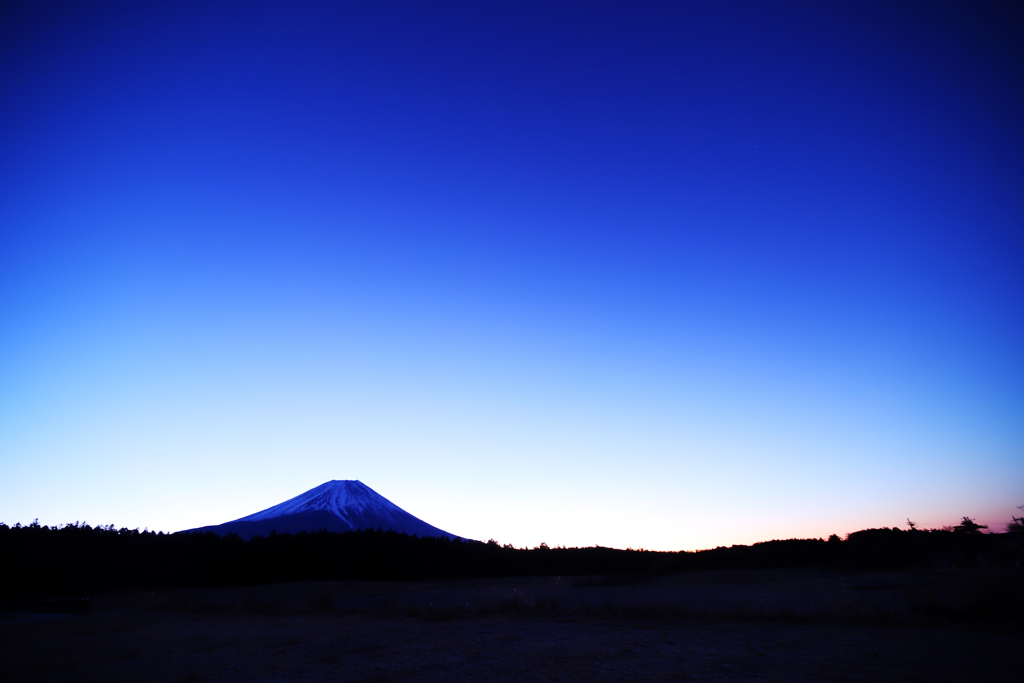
(343, 505)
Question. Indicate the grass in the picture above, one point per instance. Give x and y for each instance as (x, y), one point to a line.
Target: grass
(995, 598)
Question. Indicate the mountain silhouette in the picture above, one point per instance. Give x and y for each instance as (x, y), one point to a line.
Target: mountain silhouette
(339, 505)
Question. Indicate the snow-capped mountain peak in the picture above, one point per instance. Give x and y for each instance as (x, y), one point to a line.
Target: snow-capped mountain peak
(339, 505)
(343, 497)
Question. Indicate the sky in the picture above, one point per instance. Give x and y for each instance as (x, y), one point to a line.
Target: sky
(668, 276)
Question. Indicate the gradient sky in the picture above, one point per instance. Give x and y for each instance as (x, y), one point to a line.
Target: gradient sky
(630, 274)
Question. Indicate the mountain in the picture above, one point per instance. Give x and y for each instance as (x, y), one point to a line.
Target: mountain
(335, 506)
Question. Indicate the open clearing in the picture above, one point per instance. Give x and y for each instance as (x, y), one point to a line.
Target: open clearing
(710, 626)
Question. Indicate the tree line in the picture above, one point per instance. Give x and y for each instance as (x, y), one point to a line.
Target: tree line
(78, 559)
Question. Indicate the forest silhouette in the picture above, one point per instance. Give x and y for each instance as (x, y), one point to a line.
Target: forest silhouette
(79, 559)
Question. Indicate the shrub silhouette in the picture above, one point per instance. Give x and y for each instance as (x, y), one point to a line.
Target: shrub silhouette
(969, 526)
(1016, 525)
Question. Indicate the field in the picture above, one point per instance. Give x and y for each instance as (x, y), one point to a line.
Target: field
(708, 626)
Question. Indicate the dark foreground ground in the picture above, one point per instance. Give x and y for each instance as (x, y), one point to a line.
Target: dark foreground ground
(713, 626)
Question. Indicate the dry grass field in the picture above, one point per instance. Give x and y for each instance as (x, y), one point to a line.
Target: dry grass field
(710, 626)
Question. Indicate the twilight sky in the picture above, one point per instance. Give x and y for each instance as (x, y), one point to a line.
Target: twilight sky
(630, 274)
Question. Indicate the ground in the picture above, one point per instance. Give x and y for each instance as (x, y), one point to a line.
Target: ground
(714, 626)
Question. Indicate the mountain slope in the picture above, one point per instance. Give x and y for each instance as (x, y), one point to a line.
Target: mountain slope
(339, 505)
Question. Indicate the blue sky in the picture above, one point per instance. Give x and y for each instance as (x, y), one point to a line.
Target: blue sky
(671, 277)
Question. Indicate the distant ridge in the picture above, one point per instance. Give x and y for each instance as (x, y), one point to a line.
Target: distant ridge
(338, 505)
